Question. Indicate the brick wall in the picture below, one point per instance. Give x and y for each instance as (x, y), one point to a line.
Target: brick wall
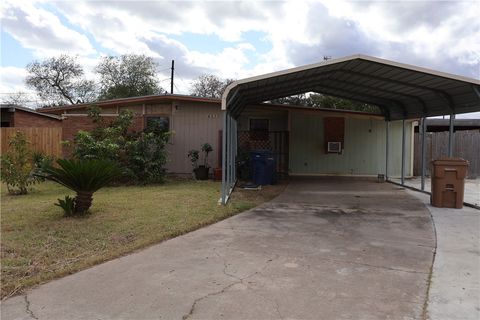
(22, 119)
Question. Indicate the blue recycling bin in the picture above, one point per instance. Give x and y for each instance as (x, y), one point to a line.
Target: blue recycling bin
(263, 166)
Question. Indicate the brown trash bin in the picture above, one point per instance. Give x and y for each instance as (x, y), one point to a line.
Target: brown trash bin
(448, 182)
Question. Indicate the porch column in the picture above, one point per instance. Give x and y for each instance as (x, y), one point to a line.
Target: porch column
(423, 135)
(403, 153)
(450, 136)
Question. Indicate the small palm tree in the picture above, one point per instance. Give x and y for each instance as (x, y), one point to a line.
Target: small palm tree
(84, 177)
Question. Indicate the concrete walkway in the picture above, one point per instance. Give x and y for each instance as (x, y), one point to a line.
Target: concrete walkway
(324, 249)
(471, 194)
(455, 286)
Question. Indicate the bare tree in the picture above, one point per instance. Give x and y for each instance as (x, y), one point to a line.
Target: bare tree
(209, 86)
(18, 98)
(60, 80)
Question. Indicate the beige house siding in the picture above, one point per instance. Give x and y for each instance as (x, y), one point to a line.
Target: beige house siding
(193, 124)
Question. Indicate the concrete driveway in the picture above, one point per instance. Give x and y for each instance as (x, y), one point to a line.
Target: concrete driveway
(324, 249)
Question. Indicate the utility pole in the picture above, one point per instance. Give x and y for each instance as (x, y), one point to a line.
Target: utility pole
(171, 78)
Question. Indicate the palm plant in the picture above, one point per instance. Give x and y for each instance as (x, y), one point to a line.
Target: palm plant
(84, 177)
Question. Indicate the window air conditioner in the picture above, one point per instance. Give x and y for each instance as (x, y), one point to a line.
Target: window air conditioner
(334, 147)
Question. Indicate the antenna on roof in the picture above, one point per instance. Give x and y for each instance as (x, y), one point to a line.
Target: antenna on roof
(171, 78)
(326, 58)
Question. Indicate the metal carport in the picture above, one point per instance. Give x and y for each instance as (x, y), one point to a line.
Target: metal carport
(401, 91)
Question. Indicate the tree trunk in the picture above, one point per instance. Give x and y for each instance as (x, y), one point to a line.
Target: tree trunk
(83, 202)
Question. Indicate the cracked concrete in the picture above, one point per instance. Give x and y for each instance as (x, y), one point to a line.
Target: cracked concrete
(455, 283)
(324, 249)
(27, 307)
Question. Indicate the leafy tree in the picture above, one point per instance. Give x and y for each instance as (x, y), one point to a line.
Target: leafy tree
(324, 101)
(316, 100)
(129, 75)
(296, 100)
(17, 167)
(209, 86)
(84, 177)
(60, 80)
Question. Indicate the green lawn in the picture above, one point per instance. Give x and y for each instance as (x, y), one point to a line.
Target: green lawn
(38, 243)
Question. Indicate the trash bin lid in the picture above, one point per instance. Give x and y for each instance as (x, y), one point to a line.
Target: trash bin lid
(450, 162)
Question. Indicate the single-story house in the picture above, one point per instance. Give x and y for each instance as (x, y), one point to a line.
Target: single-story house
(298, 136)
(43, 131)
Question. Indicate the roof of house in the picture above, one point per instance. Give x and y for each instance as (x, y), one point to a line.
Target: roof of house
(179, 97)
(14, 107)
(456, 122)
(402, 91)
(140, 99)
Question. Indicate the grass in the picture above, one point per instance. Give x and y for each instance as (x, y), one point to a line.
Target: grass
(39, 244)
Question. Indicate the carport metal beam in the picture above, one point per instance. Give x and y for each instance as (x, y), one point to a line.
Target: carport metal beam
(403, 153)
(387, 131)
(423, 134)
(450, 136)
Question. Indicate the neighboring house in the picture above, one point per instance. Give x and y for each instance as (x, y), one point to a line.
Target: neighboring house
(43, 131)
(196, 120)
(21, 117)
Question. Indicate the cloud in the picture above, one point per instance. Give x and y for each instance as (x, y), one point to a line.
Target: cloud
(42, 31)
(11, 79)
(439, 35)
(434, 34)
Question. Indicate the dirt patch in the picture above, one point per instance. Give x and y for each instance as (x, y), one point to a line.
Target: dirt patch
(267, 192)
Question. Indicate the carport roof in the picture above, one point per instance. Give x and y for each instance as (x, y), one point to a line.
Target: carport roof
(402, 91)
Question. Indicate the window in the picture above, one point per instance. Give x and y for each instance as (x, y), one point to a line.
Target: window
(157, 123)
(259, 129)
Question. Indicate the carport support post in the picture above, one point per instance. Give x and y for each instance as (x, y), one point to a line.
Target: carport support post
(403, 153)
(387, 129)
(423, 134)
(224, 158)
(450, 136)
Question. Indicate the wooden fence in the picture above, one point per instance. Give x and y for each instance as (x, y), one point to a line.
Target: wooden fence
(45, 140)
(466, 145)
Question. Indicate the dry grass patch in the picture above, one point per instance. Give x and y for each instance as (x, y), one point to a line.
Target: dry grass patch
(38, 243)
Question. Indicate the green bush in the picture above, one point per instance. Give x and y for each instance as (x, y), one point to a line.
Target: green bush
(67, 204)
(141, 155)
(84, 177)
(147, 157)
(17, 167)
(40, 162)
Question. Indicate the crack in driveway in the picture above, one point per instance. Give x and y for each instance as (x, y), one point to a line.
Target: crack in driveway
(239, 280)
(27, 308)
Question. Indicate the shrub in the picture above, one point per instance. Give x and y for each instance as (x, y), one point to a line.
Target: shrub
(17, 168)
(194, 155)
(206, 148)
(68, 205)
(142, 156)
(147, 157)
(40, 162)
(84, 177)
